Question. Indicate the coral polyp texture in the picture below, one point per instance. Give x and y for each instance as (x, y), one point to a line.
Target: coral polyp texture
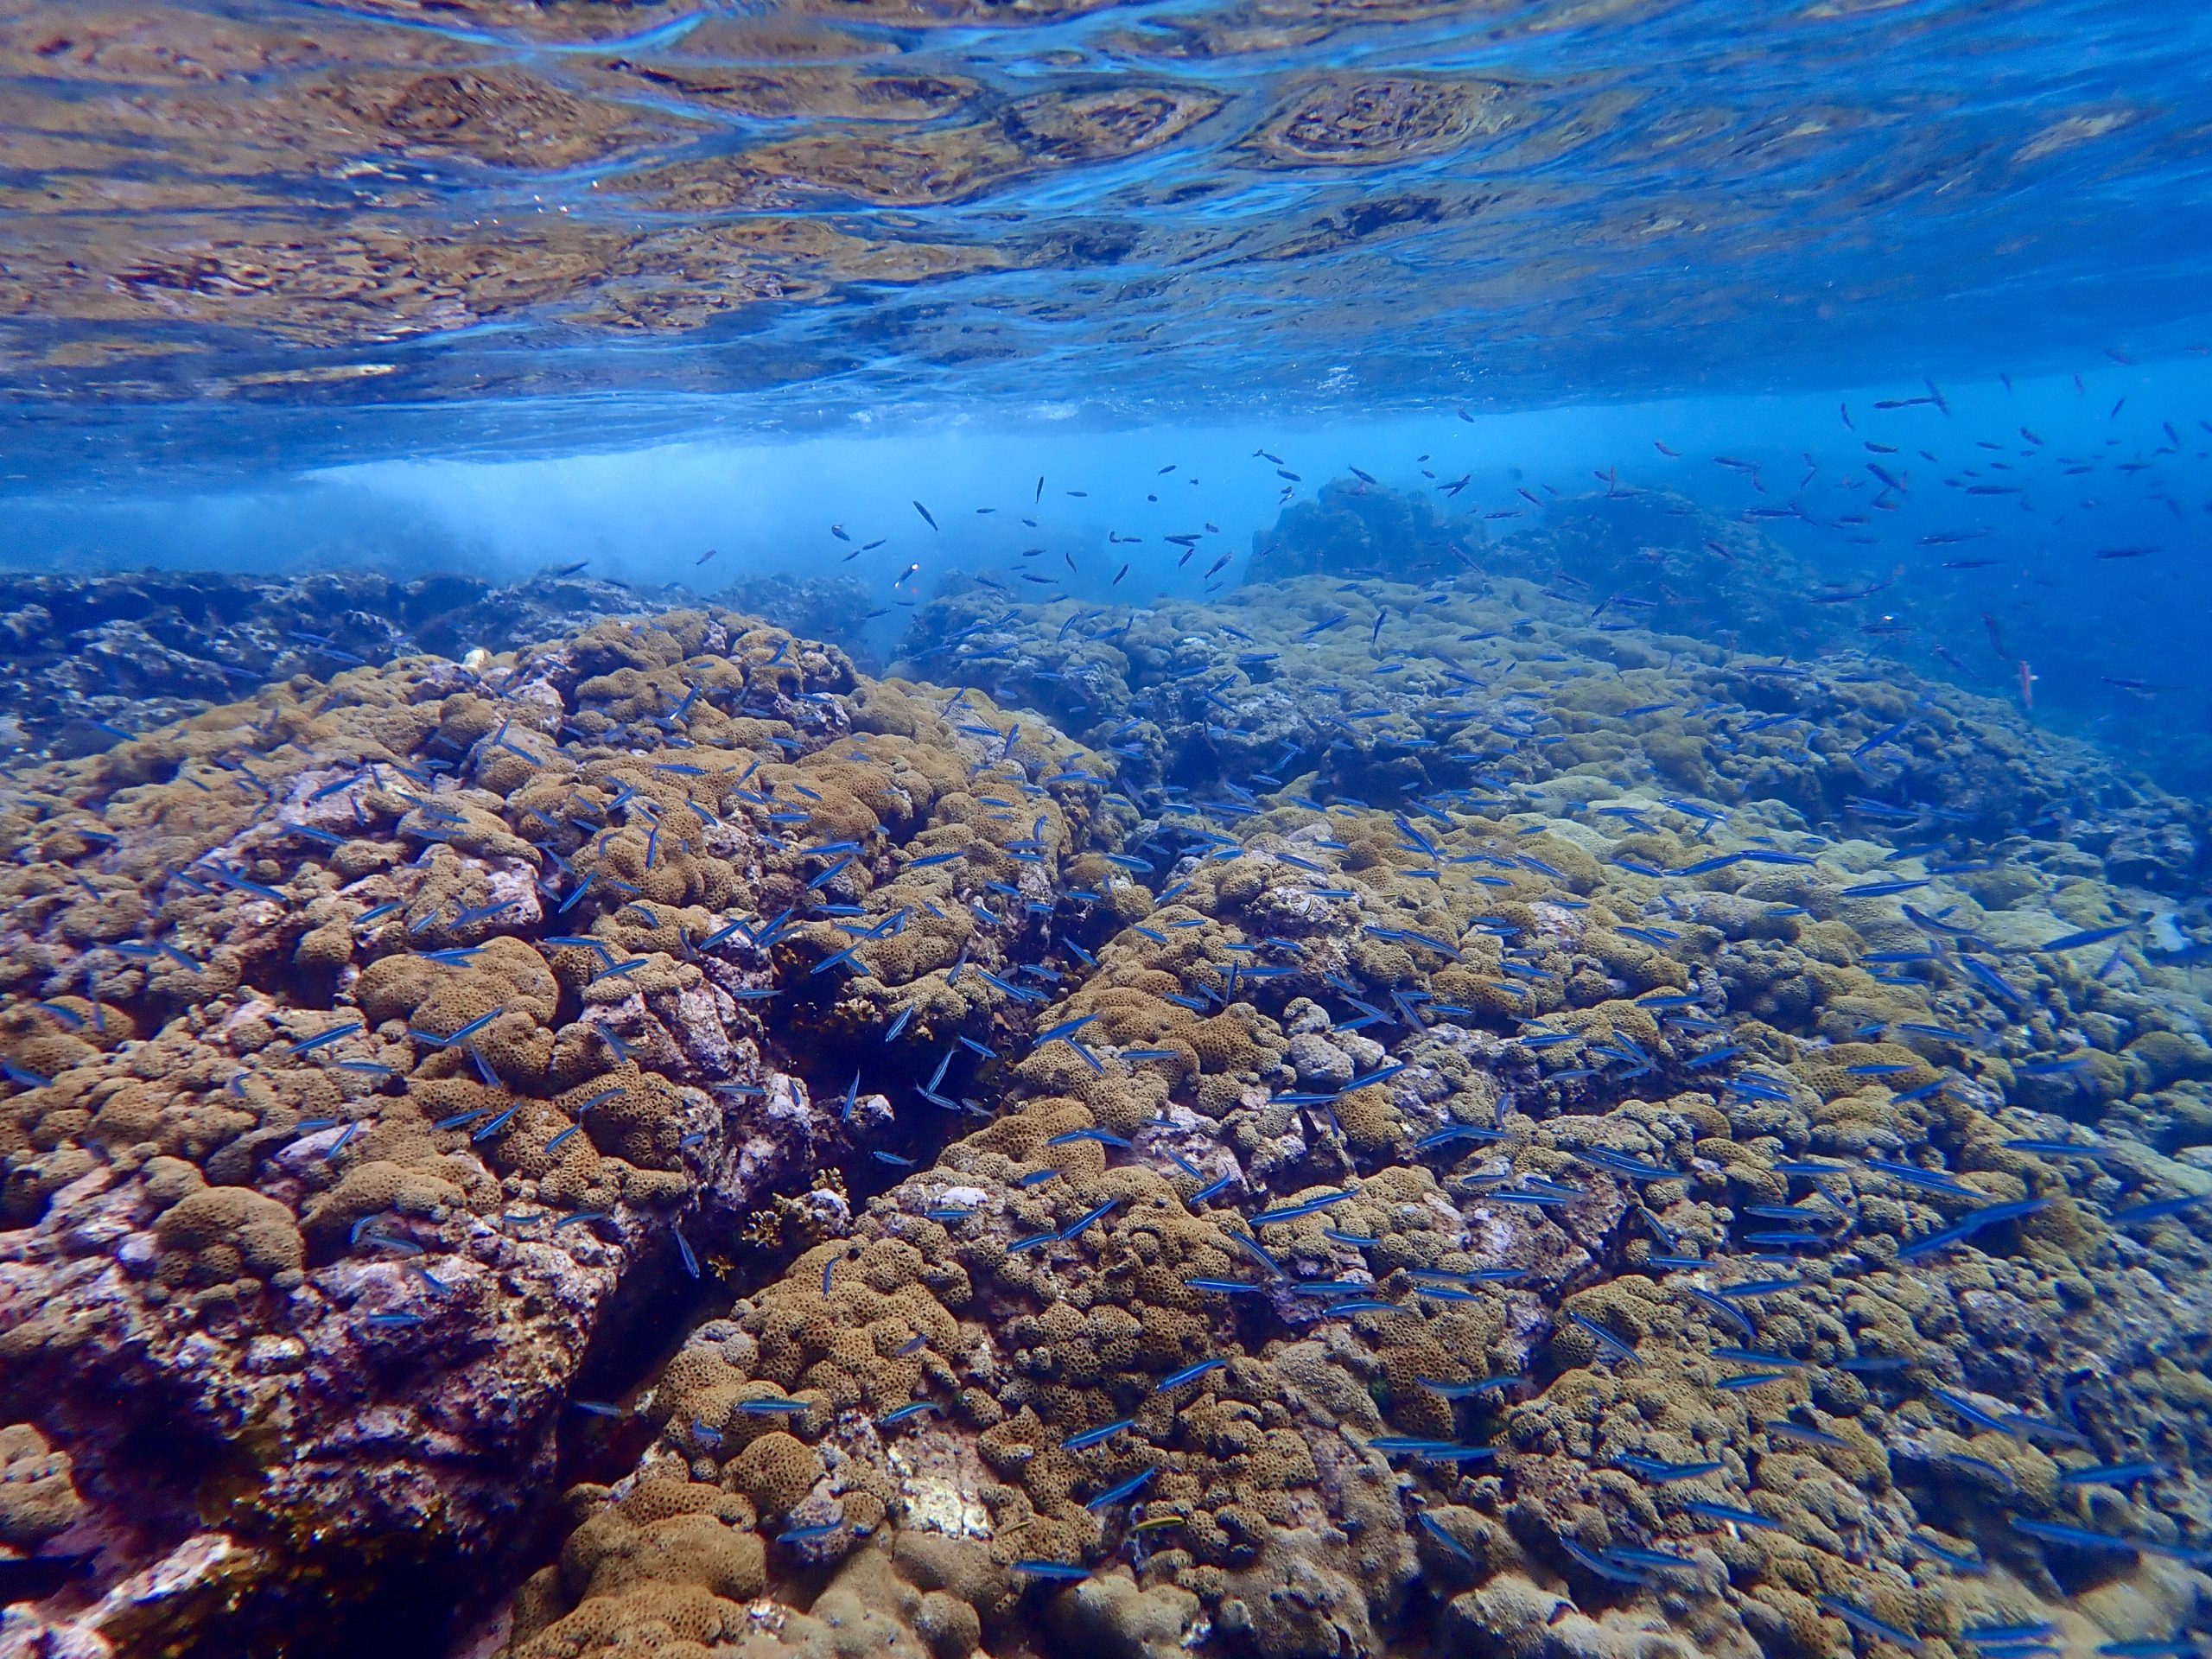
(382, 1053)
(663, 1144)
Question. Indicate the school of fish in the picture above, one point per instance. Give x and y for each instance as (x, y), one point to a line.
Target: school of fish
(1344, 1116)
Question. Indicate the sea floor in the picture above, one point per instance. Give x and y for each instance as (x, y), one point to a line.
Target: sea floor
(1347, 1117)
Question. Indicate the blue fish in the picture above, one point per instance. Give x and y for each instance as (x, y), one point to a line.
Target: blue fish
(1957, 1562)
(1188, 1374)
(1662, 1472)
(2052, 1532)
(1100, 1214)
(1731, 1515)
(1608, 1344)
(1099, 1436)
(1619, 1572)
(1859, 1620)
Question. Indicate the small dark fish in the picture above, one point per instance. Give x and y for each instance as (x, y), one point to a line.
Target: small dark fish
(925, 511)
(1436, 1529)
(773, 1407)
(311, 1043)
(1127, 1489)
(1950, 1558)
(2056, 1149)
(1608, 1344)
(1188, 1374)
(2113, 1474)
(2052, 1532)
(2155, 1211)
(1605, 1569)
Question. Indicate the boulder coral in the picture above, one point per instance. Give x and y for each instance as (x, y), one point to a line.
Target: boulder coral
(910, 1179)
(381, 1054)
(1515, 1222)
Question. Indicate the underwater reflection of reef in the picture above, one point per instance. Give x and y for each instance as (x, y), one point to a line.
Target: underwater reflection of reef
(1479, 1132)
(265, 206)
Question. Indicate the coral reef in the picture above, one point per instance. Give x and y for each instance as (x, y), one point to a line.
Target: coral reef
(1498, 689)
(1357, 530)
(378, 1051)
(1625, 1180)
(1520, 1219)
(37, 1500)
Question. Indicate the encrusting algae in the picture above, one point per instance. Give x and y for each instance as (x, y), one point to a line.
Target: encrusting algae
(1574, 1206)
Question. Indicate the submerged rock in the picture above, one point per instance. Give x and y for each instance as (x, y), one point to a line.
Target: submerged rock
(1626, 1278)
(90, 660)
(379, 1053)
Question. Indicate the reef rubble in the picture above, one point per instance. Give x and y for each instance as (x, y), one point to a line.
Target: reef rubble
(1522, 1138)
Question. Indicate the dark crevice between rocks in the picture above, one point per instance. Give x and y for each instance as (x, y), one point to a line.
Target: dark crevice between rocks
(33, 1577)
(639, 1330)
(155, 1484)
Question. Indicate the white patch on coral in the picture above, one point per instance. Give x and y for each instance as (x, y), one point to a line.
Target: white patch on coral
(939, 1472)
(766, 1614)
(827, 1210)
(934, 1504)
(266, 1354)
(787, 1099)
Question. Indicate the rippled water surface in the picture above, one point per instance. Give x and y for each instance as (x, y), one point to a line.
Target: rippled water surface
(854, 206)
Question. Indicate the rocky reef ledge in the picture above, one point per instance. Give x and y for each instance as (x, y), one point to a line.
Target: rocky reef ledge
(657, 1143)
(87, 660)
(383, 1064)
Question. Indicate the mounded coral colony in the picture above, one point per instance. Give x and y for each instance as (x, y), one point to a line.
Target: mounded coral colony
(1668, 1178)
